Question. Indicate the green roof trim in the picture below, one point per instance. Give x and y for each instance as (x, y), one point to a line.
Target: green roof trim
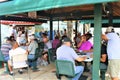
(19, 6)
(103, 21)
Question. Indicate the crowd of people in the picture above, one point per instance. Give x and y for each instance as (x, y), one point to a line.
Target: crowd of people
(19, 43)
(110, 56)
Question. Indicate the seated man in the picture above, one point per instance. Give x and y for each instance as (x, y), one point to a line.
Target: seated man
(65, 52)
(14, 51)
(31, 50)
(47, 46)
(55, 42)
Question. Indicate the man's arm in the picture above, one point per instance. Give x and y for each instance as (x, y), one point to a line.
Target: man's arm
(104, 37)
(79, 59)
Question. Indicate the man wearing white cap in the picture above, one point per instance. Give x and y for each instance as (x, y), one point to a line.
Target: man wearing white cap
(113, 50)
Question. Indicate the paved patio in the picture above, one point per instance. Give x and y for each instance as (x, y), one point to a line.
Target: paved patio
(45, 73)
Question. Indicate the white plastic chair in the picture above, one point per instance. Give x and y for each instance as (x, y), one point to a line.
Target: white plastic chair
(20, 61)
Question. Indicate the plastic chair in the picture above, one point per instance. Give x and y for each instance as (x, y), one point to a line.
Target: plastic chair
(51, 55)
(34, 59)
(41, 45)
(20, 61)
(64, 67)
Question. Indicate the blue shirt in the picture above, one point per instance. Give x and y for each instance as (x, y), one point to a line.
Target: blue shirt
(113, 46)
(66, 53)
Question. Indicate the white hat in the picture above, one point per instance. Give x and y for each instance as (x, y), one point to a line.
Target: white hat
(109, 29)
(32, 37)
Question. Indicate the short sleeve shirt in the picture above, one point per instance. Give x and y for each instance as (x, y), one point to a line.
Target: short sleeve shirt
(47, 46)
(113, 46)
(5, 48)
(32, 47)
(16, 51)
(66, 53)
(86, 46)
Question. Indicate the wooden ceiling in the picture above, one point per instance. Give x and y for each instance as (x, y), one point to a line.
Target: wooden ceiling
(80, 12)
(77, 12)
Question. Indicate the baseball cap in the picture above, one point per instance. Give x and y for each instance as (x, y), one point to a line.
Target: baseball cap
(109, 29)
(32, 37)
(66, 39)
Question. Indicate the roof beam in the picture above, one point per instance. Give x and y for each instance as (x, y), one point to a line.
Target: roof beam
(116, 25)
(15, 18)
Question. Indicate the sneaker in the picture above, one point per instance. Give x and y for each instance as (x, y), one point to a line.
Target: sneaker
(20, 71)
(11, 73)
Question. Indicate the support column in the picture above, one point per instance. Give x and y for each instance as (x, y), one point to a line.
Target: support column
(0, 44)
(58, 25)
(84, 28)
(97, 41)
(69, 29)
(76, 26)
(51, 29)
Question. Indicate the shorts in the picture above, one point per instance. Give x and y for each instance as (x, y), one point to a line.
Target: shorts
(6, 58)
(114, 68)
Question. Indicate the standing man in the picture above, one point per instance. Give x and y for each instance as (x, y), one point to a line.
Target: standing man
(113, 51)
(65, 52)
(13, 31)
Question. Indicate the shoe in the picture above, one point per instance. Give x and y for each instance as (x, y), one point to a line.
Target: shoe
(11, 73)
(20, 72)
(35, 70)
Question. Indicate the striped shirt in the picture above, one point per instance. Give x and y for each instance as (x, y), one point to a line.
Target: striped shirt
(5, 48)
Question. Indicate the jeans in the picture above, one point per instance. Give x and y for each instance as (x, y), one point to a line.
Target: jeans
(32, 62)
(78, 71)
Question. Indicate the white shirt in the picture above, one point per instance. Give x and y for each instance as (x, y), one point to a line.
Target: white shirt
(16, 51)
(113, 46)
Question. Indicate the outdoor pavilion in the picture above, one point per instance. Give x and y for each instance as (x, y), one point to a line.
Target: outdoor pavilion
(69, 10)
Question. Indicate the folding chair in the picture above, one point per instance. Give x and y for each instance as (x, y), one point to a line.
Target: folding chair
(20, 61)
(64, 68)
